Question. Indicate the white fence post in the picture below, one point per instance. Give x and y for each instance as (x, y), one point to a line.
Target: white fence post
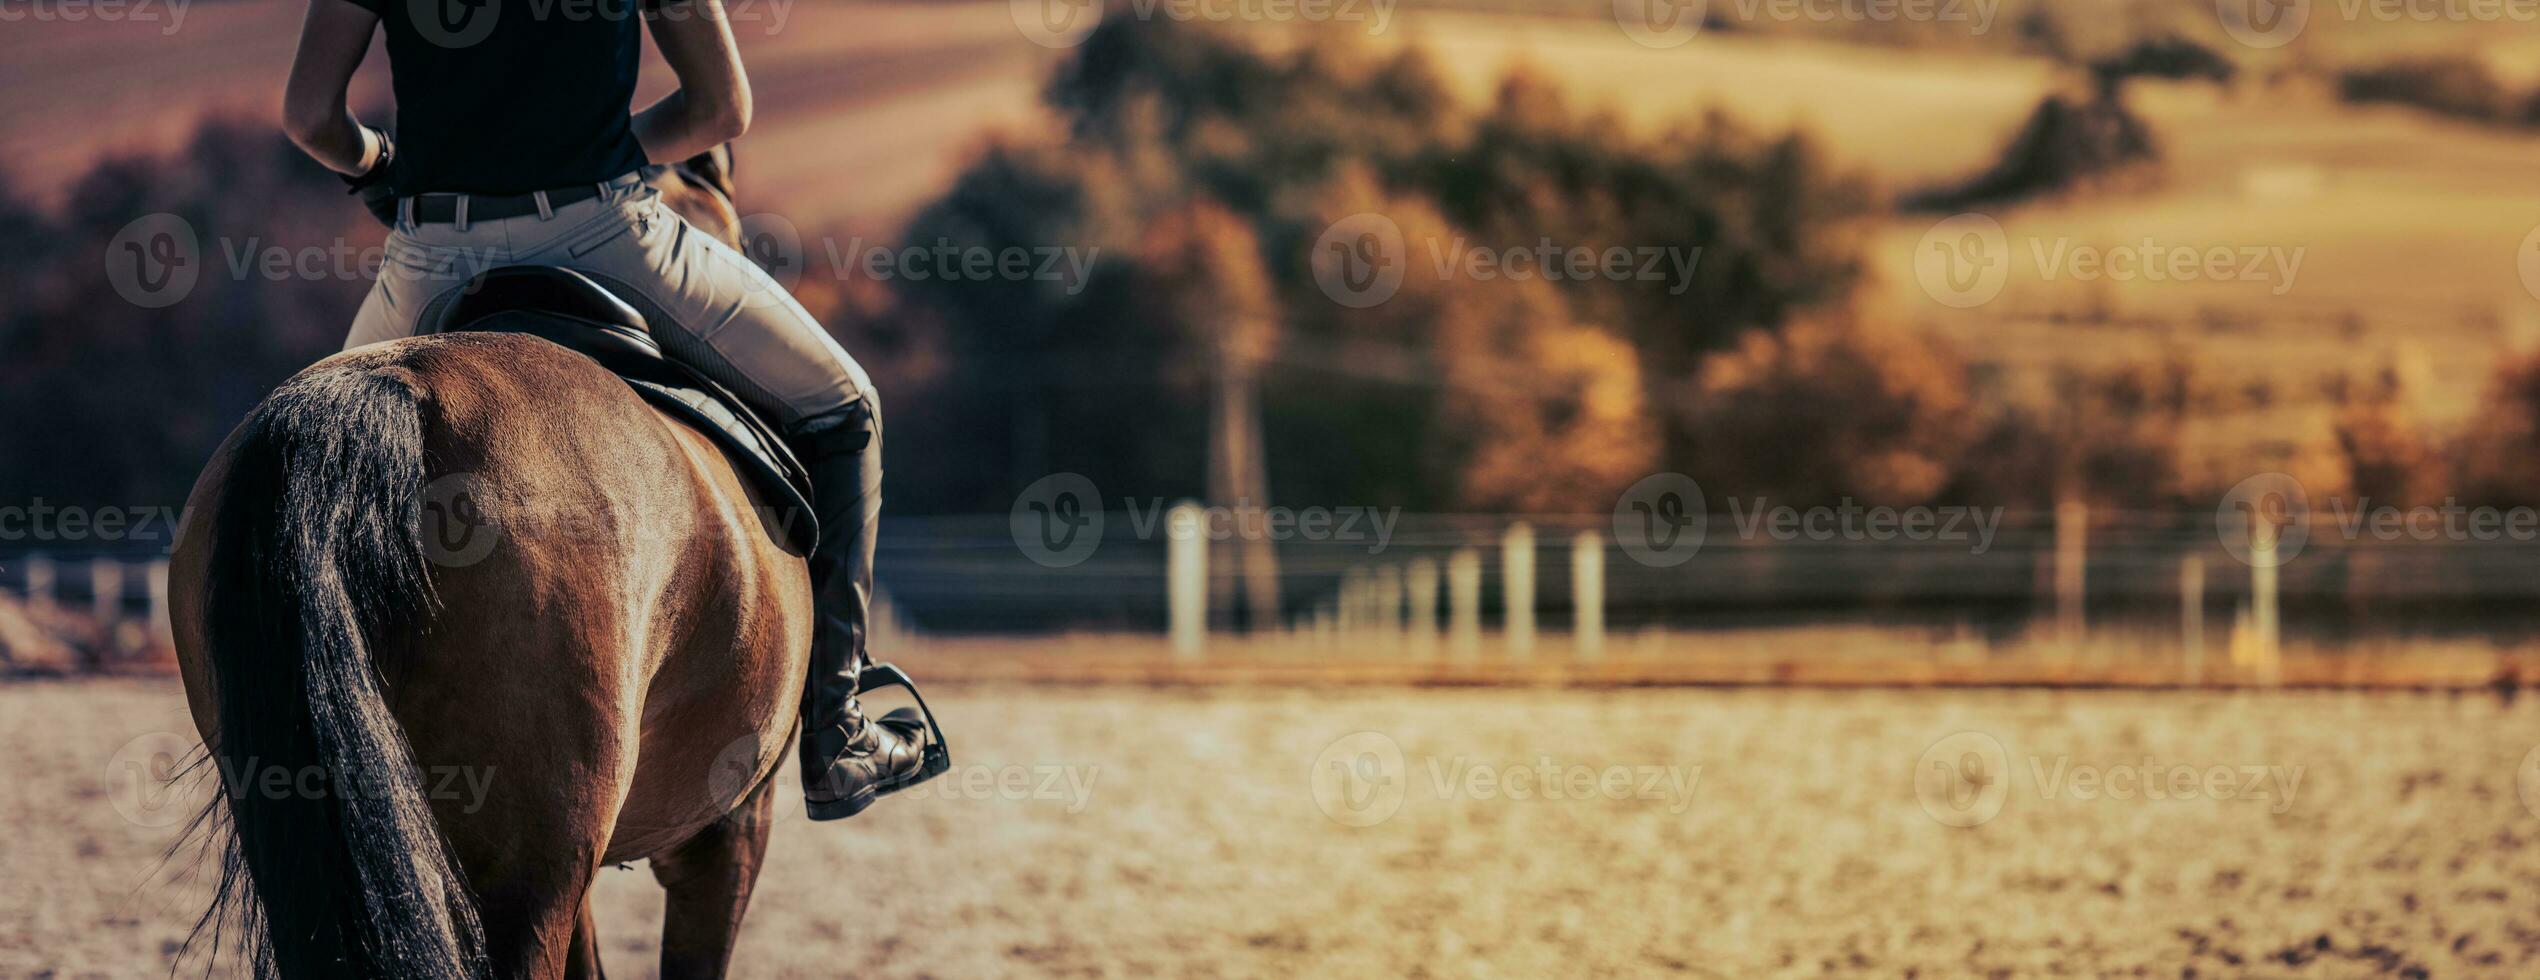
(1186, 578)
(2191, 615)
(105, 591)
(161, 626)
(2263, 588)
(1517, 579)
(2072, 562)
(1350, 605)
(1464, 602)
(39, 580)
(1388, 602)
(1587, 594)
(1421, 585)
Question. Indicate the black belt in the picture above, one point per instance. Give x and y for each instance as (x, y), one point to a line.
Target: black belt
(444, 208)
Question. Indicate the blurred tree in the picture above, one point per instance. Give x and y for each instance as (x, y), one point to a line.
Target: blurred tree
(111, 403)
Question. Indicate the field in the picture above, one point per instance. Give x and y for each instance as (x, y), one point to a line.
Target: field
(1760, 832)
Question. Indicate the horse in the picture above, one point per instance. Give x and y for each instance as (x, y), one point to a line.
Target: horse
(462, 622)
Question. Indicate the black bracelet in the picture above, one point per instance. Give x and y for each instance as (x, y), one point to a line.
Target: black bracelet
(378, 171)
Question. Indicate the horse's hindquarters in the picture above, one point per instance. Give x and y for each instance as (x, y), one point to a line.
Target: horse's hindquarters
(607, 618)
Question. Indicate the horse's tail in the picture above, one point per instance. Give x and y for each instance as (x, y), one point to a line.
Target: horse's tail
(316, 553)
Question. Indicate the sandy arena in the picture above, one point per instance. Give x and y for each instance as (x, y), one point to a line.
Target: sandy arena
(1730, 833)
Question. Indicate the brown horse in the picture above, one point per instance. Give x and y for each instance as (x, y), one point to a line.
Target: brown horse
(466, 621)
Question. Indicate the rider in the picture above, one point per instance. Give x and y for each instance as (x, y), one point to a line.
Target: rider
(517, 143)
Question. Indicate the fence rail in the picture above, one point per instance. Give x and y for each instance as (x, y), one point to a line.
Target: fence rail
(1460, 584)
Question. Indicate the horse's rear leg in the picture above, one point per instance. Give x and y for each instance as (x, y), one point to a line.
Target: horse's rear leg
(709, 878)
(582, 962)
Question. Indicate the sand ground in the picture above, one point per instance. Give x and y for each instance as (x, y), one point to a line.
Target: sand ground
(1758, 832)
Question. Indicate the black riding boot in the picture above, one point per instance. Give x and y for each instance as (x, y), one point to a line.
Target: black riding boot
(849, 760)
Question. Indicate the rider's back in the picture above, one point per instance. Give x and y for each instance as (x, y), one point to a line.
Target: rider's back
(497, 97)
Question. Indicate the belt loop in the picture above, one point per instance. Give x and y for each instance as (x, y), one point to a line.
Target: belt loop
(545, 212)
(406, 214)
(462, 216)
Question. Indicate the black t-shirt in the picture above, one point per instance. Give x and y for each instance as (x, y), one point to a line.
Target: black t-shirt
(512, 96)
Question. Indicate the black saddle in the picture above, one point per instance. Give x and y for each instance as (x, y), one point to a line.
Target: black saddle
(569, 310)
